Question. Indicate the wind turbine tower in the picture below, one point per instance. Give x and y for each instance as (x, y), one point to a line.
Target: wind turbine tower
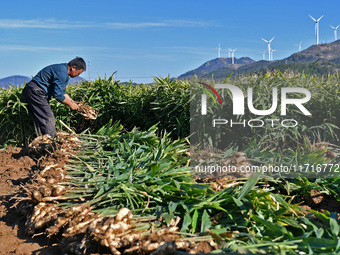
(335, 35)
(299, 45)
(219, 50)
(269, 50)
(263, 54)
(232, 55)
(229, 50)
(316, 27)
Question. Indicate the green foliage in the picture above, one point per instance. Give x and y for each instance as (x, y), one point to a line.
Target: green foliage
(275, 225)
(147, 170)
(322, 125)
(135, 169)
(16, 124)
(165, 102)
(149, 175)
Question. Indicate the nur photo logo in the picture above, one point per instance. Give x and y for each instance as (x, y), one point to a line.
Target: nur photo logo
(238, 105)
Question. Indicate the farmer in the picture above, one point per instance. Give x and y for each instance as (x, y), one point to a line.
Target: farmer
(50, 82)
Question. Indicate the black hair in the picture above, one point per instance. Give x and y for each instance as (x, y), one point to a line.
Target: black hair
(78, 62)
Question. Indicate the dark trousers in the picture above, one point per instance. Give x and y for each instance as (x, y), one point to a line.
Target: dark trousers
(40, 108)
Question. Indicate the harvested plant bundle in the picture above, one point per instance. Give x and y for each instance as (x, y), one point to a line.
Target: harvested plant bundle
(63, 204)
(87, 111)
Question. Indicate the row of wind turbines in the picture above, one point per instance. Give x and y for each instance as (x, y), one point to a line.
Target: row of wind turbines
(229, 51)
(270, 51)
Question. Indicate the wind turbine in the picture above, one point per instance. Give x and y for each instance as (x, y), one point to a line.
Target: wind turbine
(316, 27)
(218, 50)
(335, 35)
(263, 54)
(269, 55)
(271, 52)
(232, 55)
(299, 46)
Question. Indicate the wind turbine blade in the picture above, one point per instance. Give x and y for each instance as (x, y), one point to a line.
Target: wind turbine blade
(272, 39)
(337, 27)
(264, 40)
(332, 26)
(312, 17)
(320, 18)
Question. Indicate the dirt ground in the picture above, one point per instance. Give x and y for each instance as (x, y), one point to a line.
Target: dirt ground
(15, 169)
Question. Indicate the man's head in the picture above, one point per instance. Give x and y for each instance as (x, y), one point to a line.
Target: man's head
(76, 67)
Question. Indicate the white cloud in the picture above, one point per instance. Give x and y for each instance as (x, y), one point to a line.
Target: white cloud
(28, 48)
(36, 23)
(189, 23)
(121, 25)
(46, 48)
(167, 23)
(54, 24)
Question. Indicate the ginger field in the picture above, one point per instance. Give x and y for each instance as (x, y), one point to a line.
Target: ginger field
(122, 183)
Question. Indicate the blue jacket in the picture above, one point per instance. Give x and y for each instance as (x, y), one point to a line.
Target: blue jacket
(53, 79)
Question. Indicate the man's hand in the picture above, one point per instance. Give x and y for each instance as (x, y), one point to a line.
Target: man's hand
(74, 106)
(68, 101)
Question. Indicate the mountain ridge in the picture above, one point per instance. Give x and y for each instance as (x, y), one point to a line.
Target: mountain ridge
(20, 80)
(218, 63)
(327, 55)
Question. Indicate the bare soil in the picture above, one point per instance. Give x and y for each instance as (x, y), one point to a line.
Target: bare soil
(16, 168)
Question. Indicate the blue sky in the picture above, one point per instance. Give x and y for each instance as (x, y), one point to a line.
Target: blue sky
(141, 39)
